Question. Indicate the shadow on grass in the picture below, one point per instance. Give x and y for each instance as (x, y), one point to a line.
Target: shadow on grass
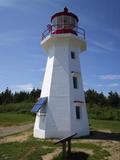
(78, 156)
(104, 136)
(73, 156)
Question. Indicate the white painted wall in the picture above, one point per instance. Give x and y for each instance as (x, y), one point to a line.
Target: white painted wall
(60, 119)
(79, 126)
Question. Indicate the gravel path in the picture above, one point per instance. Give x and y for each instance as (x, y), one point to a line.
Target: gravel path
(113, 147)
(6, 131)
(50, 156)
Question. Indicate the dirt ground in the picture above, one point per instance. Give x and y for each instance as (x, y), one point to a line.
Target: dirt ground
(16, 138)
(6, 131)
(113, 147)
(108, 141)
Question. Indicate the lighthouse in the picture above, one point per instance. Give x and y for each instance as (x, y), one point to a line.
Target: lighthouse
(61, 108)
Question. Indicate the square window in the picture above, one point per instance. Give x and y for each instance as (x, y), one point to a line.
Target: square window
(75, 82)
(77, 112)
(72, 55)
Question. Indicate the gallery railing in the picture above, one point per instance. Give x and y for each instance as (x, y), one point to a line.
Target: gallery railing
(62, 28)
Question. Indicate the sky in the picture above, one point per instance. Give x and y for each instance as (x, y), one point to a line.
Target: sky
(23, 60)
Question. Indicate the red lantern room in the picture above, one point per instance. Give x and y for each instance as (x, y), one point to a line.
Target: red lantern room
(64, 22)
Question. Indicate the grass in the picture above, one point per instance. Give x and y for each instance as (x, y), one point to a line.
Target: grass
(22, 107)
(32, 149)
(103, 113)
(98, 153)
(9, 119)
(113, 126)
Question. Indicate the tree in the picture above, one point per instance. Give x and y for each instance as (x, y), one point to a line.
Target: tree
(102, 100)
(92, 97)
(6, 97)
(113, 99)
(21, 96)
(34, 95)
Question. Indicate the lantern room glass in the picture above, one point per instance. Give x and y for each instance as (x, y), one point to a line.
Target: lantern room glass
(64, 22)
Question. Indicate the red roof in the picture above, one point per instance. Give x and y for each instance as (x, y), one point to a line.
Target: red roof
(65, 13)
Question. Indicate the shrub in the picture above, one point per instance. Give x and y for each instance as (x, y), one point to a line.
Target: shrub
(22, 107)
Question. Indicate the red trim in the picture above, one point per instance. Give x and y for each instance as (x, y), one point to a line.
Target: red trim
(64, 14)
(62, 31)
(75, 72)
(78, 102)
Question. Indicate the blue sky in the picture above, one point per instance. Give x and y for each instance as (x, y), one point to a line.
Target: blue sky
(22, 59)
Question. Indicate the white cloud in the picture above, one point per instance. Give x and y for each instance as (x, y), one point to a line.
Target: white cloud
(85, 86)
(104, 46)
(99, 44)
(13, 37)
(25, 87)
(110, 77)
(114, 85)
(109, 85)
(99, 85)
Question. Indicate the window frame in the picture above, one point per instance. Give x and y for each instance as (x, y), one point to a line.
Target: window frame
(73, 55)
(78, 112)
(75, 82)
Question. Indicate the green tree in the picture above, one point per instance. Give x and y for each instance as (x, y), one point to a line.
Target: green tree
(93, 97)
(21, 96)
(6, 96)
(34, 95)
(113, 99)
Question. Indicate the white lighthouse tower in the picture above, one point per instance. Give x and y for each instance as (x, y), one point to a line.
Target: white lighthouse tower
(61, 109)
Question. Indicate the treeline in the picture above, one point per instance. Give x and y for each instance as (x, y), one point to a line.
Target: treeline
(7, 96)
(99, 106)
(99, 99)
(92, 97)
(103, 107)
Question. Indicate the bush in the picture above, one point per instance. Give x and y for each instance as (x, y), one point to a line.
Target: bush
(22, 107)
(103, 113)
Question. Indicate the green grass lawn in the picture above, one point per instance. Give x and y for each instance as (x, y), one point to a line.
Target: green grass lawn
(113, 126)
(9, 119)
(33, 149)
(98, 153)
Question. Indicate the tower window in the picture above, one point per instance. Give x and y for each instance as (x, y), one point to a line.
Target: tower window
(75, 82)
(77, 112)
(72, 55)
